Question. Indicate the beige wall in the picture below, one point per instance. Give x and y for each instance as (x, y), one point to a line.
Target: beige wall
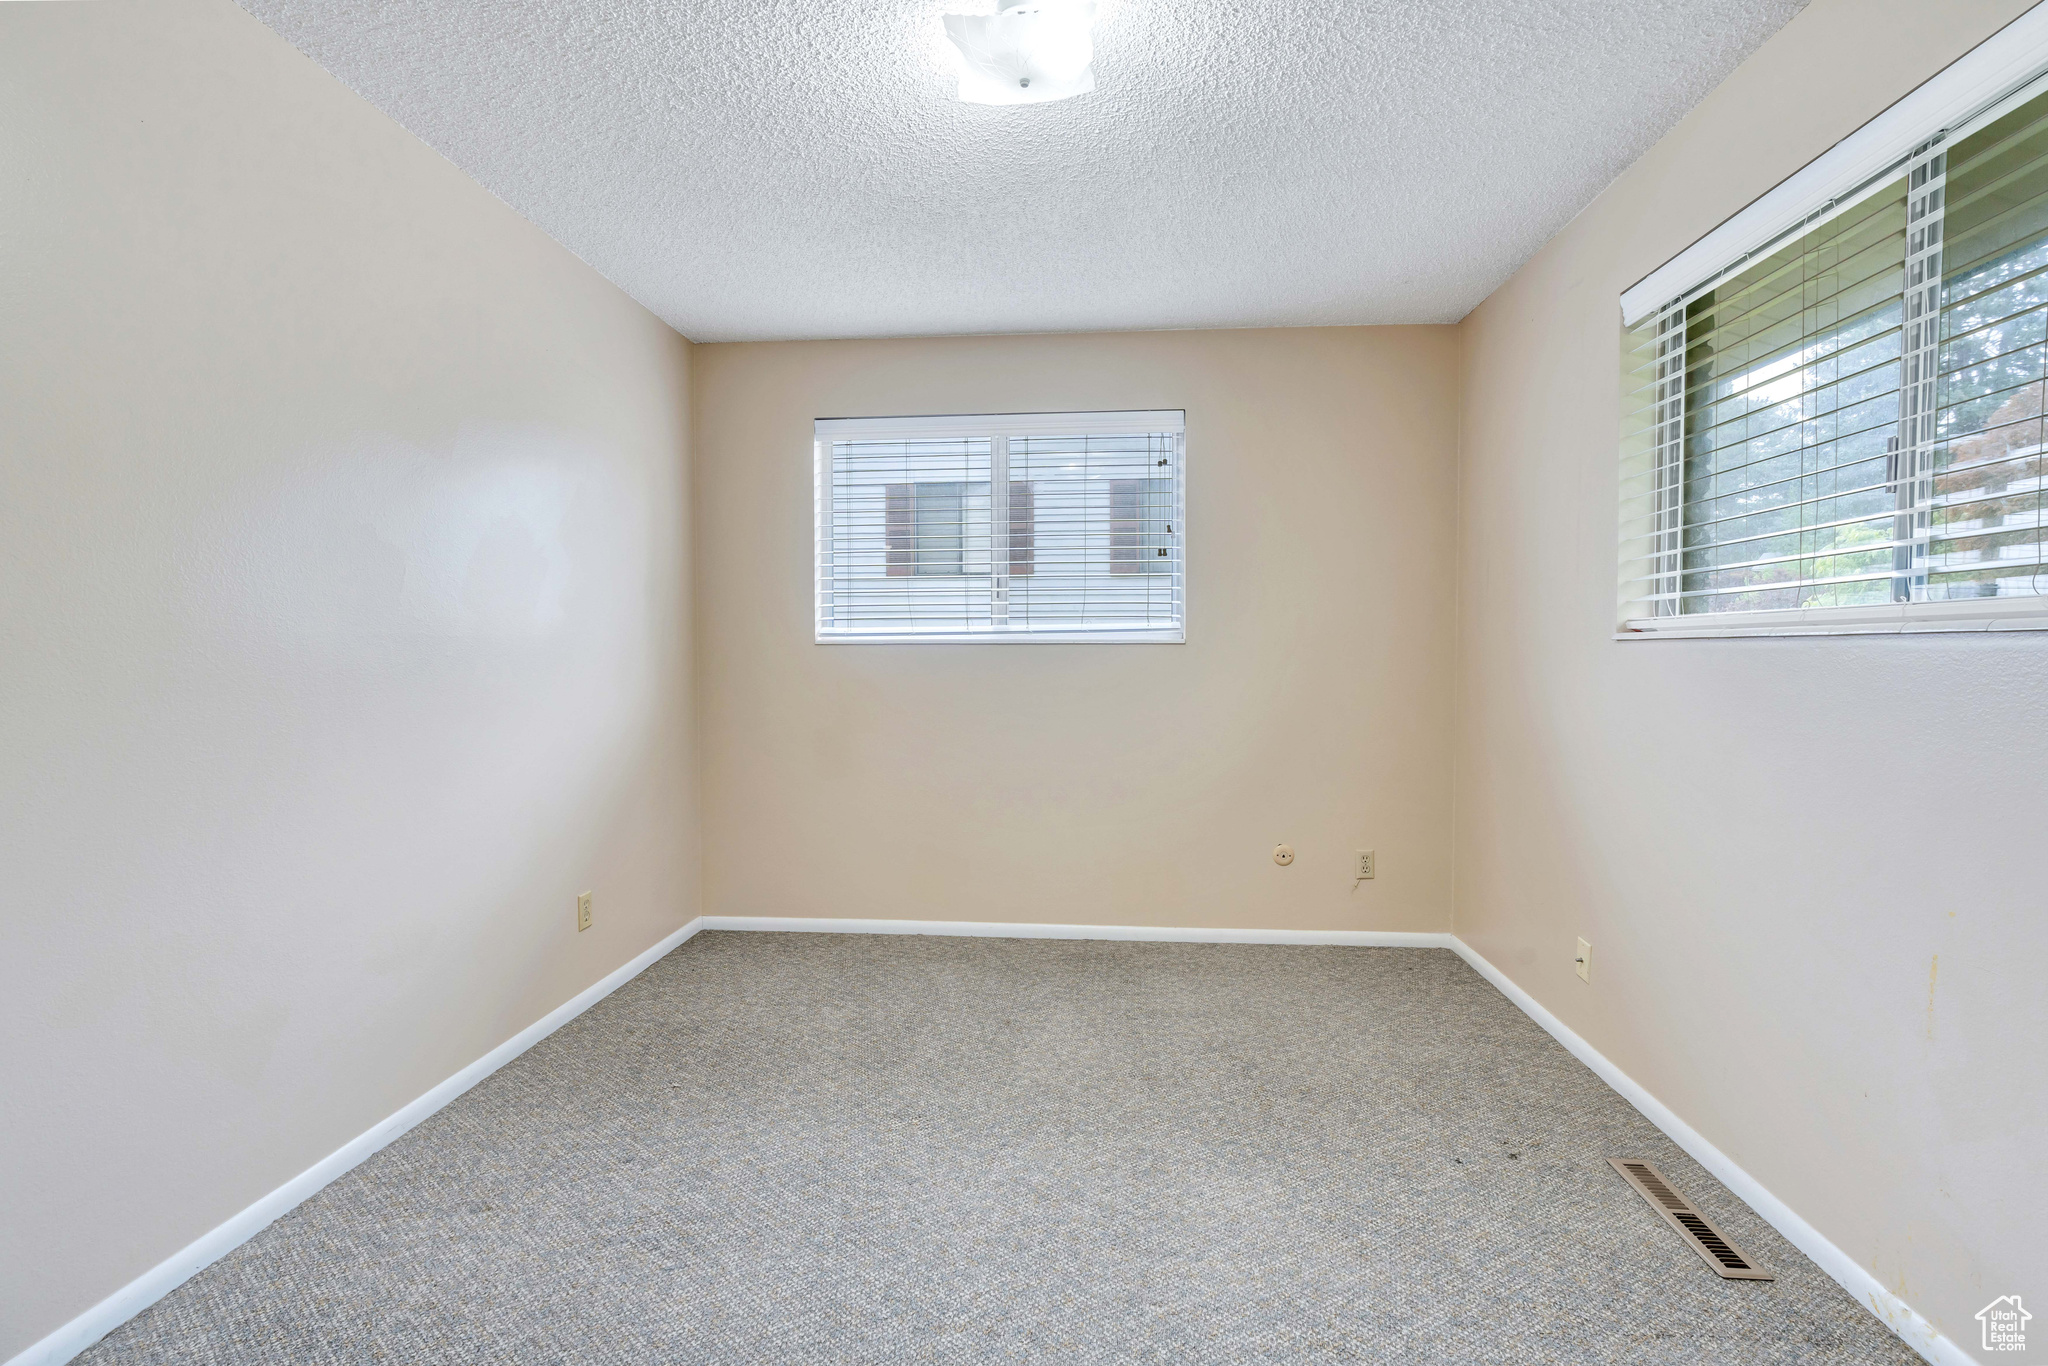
(1097, 784)
(343, 639)
(1810, 869)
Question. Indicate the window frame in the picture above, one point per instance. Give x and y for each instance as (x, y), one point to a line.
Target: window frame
(998, 427)
(1998, 75)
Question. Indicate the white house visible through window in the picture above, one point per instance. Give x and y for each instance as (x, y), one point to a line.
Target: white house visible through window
(1844, 426)
(1140, 525)
(1044, 526)
(928, 526)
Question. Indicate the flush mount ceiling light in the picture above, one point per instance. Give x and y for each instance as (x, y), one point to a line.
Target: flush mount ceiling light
(1027, 52)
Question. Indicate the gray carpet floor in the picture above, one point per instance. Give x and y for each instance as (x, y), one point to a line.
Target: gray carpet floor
(846, 1148)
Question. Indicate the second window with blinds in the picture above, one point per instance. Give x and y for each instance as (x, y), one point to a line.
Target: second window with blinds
(1001, 527)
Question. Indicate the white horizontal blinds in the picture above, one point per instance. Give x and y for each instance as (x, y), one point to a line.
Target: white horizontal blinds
(1667, 441)
(1000, 527)
(1106, 528)
(904, 535)
(1777, 439)
(1856, 419)
(1983, 483)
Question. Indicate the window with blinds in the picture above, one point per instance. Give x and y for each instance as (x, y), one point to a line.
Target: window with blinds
(1843, 429)
(1041, 526)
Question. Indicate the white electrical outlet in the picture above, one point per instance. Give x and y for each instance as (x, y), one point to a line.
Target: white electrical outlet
(1365, 864)
(1284, 855)
(582, 912)
(1584, 962)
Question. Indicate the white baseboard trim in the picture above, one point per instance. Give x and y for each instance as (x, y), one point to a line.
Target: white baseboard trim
(1153, 934)
(167, 1275)
(1894, 1313)
(110, 1313)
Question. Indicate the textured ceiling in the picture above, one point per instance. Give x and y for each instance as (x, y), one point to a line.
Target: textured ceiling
(800, 168)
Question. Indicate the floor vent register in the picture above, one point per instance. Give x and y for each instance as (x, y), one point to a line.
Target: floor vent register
(1727, 1260)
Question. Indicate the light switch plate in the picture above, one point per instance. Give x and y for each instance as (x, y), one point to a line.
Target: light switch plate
(1584, 963)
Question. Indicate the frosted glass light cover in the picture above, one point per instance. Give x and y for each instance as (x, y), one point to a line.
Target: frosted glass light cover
(1029, 52)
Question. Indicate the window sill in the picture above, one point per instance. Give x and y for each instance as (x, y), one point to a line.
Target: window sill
(1174, 637)
(1976, 616)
